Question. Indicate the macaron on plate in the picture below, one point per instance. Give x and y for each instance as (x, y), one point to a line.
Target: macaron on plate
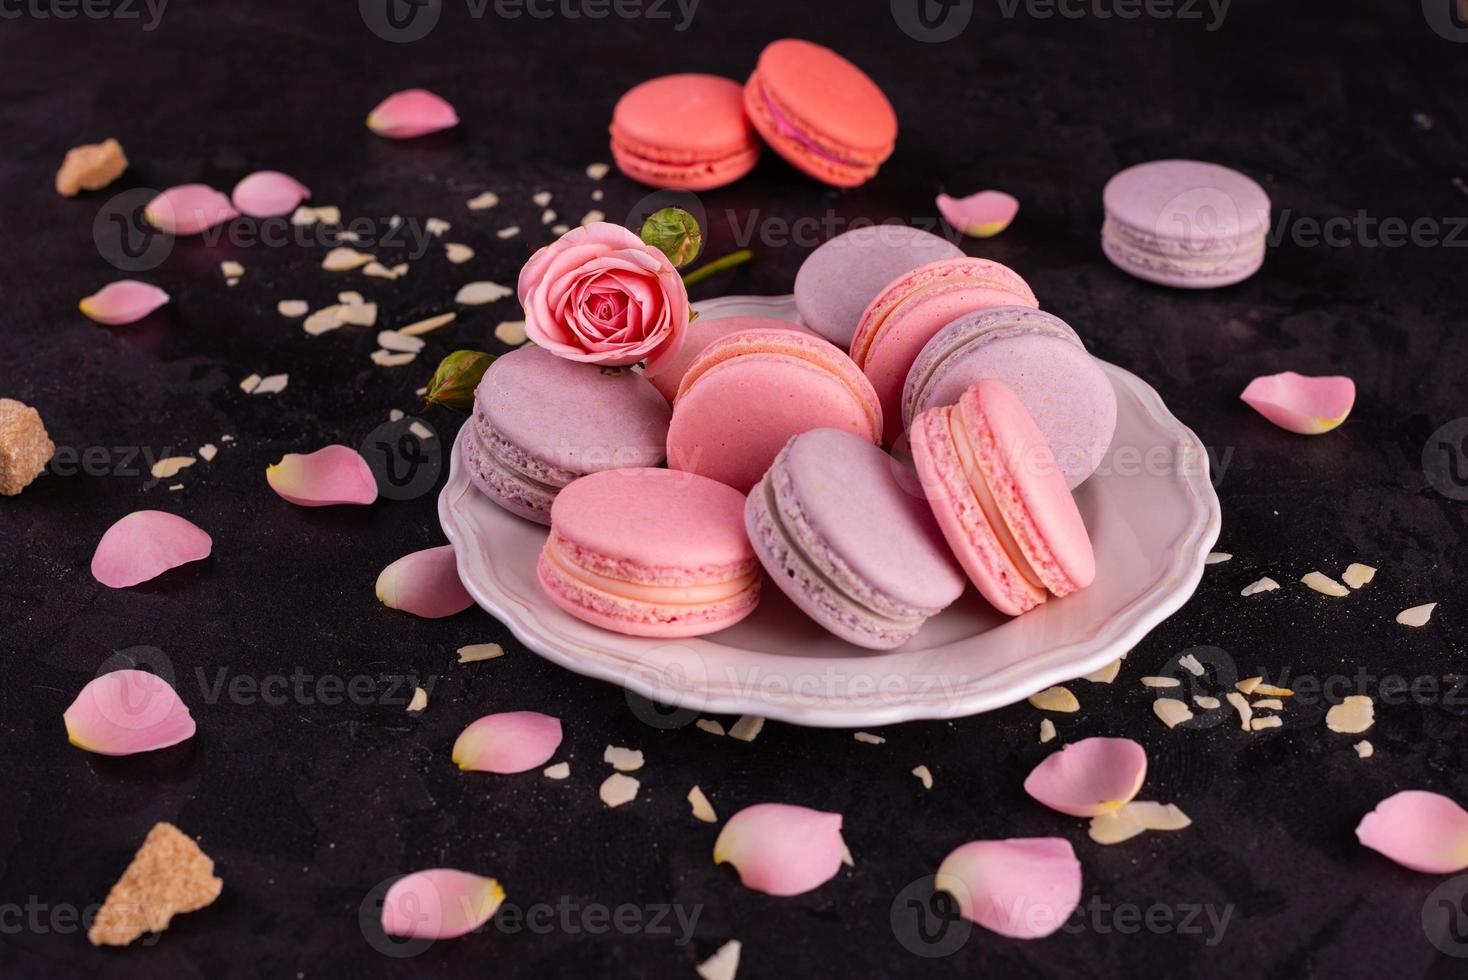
(1150, 528)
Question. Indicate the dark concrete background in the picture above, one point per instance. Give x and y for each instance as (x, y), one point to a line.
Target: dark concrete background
(1339, 109)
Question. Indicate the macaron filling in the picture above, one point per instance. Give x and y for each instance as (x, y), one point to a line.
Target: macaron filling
(786, 128)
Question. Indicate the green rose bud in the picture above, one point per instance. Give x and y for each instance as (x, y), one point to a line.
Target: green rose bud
(457, 376)
(675, 233)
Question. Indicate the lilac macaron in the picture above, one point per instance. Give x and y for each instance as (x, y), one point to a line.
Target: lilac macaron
(1042, 360)
(838, 280)
(1185, 223)
(840, 528)
(541, 421)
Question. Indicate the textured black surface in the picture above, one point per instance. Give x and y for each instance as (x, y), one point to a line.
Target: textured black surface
(306, 806)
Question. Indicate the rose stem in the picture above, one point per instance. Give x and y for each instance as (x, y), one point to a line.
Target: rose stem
(717, 265)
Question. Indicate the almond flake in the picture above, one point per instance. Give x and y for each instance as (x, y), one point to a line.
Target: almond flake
(272, 384)
(396, 414)
(597, 194)
(458, 253)
(1056, 699)
(846, 857)
(747, 728)
(378, 271)
(1172, 711)
(724, 964)
(484, 201)
(1115, 827)
(1364, 749)
(710, 726)
(702, 808)
(169, 875)
(1047, 730)
(1352, 716)
(418, 702)
(393, 340)
(1269, 690)
(420, 430)
(1106, 674)
(924, 775)
(541, 198)
(869, 738)
(400, 270)
(436, 226)
(248, 385)
(1206, 703)
(1269, 721)
(561, 770)
(1268, 704)
(175, 487)
(1192, 665)
(387, 358)
(359, 314)
(510, 332)
(622, 760)
(1161, 682)
(1417, 615)
(618, 789)
(509, 232)
(596, 171)
(347, 297)
(1325, 585)
(292, 308)
(304, 216)
(343, 259)
(592, 217)
(547, 216)
(1265, 584)
(348, 236)
(231, 269)
(475, 652)
(165, 468)
(1248, 684)
(329, 215)
(1217, 557)
(560, 229)
(1357, 575)
(1134, 818)
(479, 293)
(427, 326)
(232, 281)
(208, 451)
(1246, 713)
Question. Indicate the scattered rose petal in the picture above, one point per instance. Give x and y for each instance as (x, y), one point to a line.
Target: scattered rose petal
(484, 201)
(1023, 888)
(1265, 584)
(924, 775)
(188, 209)
(125, 712)
(268, 193)
(1056, 699)
(413, 112)
(292, 308)
(1364, 749)
(144, 545)
(1047, 731)
(476, 652)
(1325, 585)
(1352, 716)
(1217, 557)
(168, 876)
(1092, 776)
(458, 253)
(1423, 831)
(1172, 711)
(1260, 724)
(781, 849)
(617, 789)
(1307, 405)
(508, 742)
(1417, 615)
(479, 293)
(425, 583)
(272, 384)
(702, 808)
(981, 215)
(1106, 674)
(622, 759)
(1357, 575)
(333, 475)
(344, 259)
(1160, 682)
(510, 332)
(124, 301)
(440, 903)
(90, 167)
(596, 171)
(869, 738)
(709, 725)
(561, 770)
(723, 965)
(418, 702)
(747, 728)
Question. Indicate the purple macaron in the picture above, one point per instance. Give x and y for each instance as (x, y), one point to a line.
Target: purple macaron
(838, 280)
(839, 528)
(541, 421)
(1184, 223)
(1042, 361)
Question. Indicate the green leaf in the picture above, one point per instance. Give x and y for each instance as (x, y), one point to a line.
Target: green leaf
(457, 376)
(675, 233)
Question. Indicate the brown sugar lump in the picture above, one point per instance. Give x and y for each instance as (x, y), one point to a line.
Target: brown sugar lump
(90, 167)
(168, 875)
(25, 449)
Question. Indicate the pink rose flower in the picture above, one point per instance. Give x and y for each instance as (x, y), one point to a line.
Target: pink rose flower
(600, 294)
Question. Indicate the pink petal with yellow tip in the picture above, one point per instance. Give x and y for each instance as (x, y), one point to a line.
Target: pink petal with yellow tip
(425, 583)
(267, 193)
(333, 475)
(1301, 403)
(188, 209)
(1419, 830)
(124, 301)
(127, 711)
(1024, 888)
(1090, 777)
(511, 741)
(981, 215)
(781, 849)
(440, 903)
(410, 113)
(144, 545)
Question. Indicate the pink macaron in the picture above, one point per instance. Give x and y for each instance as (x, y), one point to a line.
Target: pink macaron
(904, 317)
(683, 131)
(744, 397)
(820, 112)
(650, 552)
(701, 333)
(1001, 500)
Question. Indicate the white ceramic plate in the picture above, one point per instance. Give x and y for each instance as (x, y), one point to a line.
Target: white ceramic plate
(1151, 510)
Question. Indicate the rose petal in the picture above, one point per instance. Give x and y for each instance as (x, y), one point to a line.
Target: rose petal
(267, 193)
(410, 113)
(1089, 777)
(507, 742)
(780, 849)
(425, 583)
(127, 711)
(1024, 888)
(982, 215)
(1300, 403)
(1423, 831)
(188, 209)
(124, 301)
(144, 545)
(440, 903)
(333, 475)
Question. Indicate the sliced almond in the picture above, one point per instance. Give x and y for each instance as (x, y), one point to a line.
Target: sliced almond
(418, 702)
(1206, 703)
(723, 965)
(1268, 704)
(479, 293)
(560, 229)
(208, 451)
(395, 340)
(378, 271)
(1047, 730)
(458, 253)
(622, 759)
(869, 738)
(1265, 584)
(709, 725)
(1248, 684)
(541, 198)
(702, 808)
(1268, 721)
(420, 430)
(344, 259)
(359, 314)
(484, 201)
(436, 227)
(1246, 713)
(1352, 716)
(1217, 557)
(592, 217)
(248, 385)
(561, 770)
(170, 467)
(387, 358)
(596, 171)
(292, 308)
(1364, 749)
(1106, 674)
(324, 320)
(747, 728)
(924, 775)
(547, 216)
(510, 332)
(1161, 682)
(477, 652)
(1325, 585)
(1357, 574)
(1417, 615)
(231, 269)
(1270, 690)
(509, 232)
(1192, 665)
(427, 326)
(1056, 699)
(329, 215)
(272, 384)
(617, 789)
(1172, 711)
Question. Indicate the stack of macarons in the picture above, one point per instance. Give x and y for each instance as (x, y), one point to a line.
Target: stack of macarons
(813, 107)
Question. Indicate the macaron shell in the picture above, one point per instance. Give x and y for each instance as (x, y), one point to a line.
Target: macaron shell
(634, 618)
(1187, 201)
(703, 332)
(513, 491)
(685, 131)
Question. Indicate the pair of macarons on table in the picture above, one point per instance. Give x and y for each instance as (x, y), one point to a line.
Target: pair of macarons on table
(776, 472)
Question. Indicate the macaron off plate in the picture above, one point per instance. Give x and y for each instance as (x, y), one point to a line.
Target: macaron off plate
(650, 552)
(683, 131)
(1001, 500)
(850, 541)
